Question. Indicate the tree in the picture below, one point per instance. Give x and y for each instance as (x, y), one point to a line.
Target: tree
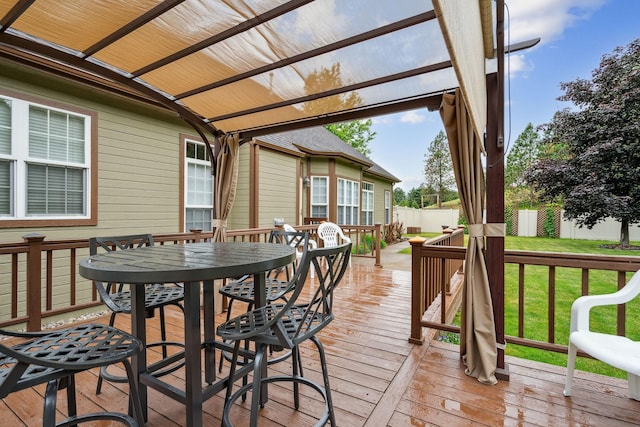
(414, 197)
(399, 197)
(438, 169)
(520, 158)
(595, 166)
(356, 133)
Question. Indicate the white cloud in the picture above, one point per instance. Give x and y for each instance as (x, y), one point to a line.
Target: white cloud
(546, 19)
(412, 117)
(382, 120)
(518, 64)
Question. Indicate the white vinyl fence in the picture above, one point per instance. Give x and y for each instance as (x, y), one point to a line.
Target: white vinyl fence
(432, 221)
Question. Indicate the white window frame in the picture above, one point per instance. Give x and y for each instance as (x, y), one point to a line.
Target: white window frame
(348, 202)
(317, 199)
(200, 198)
(367, 203)
(19, 159)
(387, 207)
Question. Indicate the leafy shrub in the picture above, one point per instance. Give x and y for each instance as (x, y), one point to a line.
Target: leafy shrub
(392, 232)
(366, 245)
(462, 220)
(508, 219)
(549, 225)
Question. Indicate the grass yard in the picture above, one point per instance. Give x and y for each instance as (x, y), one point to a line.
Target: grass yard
(568, 288)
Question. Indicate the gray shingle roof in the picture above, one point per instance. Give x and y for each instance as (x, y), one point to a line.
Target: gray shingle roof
(321, 142)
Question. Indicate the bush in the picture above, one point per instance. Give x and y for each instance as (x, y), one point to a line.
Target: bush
(549, 225)
(392, 232)
(367, 244)
(508, 220)
(462, 220)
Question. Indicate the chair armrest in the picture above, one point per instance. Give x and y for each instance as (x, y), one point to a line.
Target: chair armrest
(18, 334)
(581, 306)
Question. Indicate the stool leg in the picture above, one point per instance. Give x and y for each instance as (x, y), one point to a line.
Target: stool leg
(112, 320)
(135, 407)
(325, 377)
(49, 413)
(257, 384)
(295, 360)
(163, 333)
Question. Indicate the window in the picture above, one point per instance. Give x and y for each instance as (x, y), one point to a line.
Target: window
(320, 197)
(199, 187)
(367, 203)
(387, 207)
(45, 158)
(348, 201)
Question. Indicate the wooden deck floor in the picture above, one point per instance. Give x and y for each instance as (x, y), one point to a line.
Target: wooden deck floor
(379, 379)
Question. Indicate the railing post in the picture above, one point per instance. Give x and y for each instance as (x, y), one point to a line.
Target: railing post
(417, 290)
(378, 236)
(448, 271)
(197, 234)
(34, 281)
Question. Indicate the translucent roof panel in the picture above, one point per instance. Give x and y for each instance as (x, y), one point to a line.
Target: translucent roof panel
(240, 65)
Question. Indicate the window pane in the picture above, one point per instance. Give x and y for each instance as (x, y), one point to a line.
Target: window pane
(36, 190)
(199, 185)
(319, 212)
(5, 126)
(76, 139)
(191, 150)
(6, 194)
(198, 218)
(53, 190)
(55, 135)
(38, 133)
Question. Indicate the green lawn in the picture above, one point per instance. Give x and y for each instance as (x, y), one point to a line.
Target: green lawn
(568, 288)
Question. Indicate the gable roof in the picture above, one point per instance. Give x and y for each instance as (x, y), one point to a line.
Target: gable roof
(318, 141)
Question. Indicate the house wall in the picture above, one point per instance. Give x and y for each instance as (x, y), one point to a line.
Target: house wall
(239, 215)
(138, 157)
(379, 187)
(278, 187)
(348, 171)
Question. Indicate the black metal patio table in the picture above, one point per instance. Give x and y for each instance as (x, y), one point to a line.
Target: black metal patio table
(196, 265)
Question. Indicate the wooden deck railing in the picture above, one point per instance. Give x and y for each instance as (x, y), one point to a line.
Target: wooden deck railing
(39, 279)
(365, 239)
(428, 262)
(431, 276)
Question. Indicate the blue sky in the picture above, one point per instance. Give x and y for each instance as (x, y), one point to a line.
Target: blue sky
(575, 34)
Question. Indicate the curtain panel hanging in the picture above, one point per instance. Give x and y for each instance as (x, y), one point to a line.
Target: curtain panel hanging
(226, 181)
(477, 332)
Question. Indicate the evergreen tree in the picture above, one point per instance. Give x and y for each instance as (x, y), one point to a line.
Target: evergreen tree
(521, 157)
(438, 168)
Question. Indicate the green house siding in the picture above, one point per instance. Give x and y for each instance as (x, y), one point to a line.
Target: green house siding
(138, 168)
(379, 187)
(278, 188)
(348, 171)
(239, 216)
(138, 156)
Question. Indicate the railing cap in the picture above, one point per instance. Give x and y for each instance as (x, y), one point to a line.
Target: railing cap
(417, 240)
(34, 237)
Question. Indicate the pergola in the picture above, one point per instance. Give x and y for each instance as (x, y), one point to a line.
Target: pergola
(236, 69)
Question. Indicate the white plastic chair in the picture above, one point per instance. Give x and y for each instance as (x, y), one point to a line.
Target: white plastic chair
(312, 245)
(332, 235)
(619, 352)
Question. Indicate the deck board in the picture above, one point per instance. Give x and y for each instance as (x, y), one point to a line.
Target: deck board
(377, 377)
